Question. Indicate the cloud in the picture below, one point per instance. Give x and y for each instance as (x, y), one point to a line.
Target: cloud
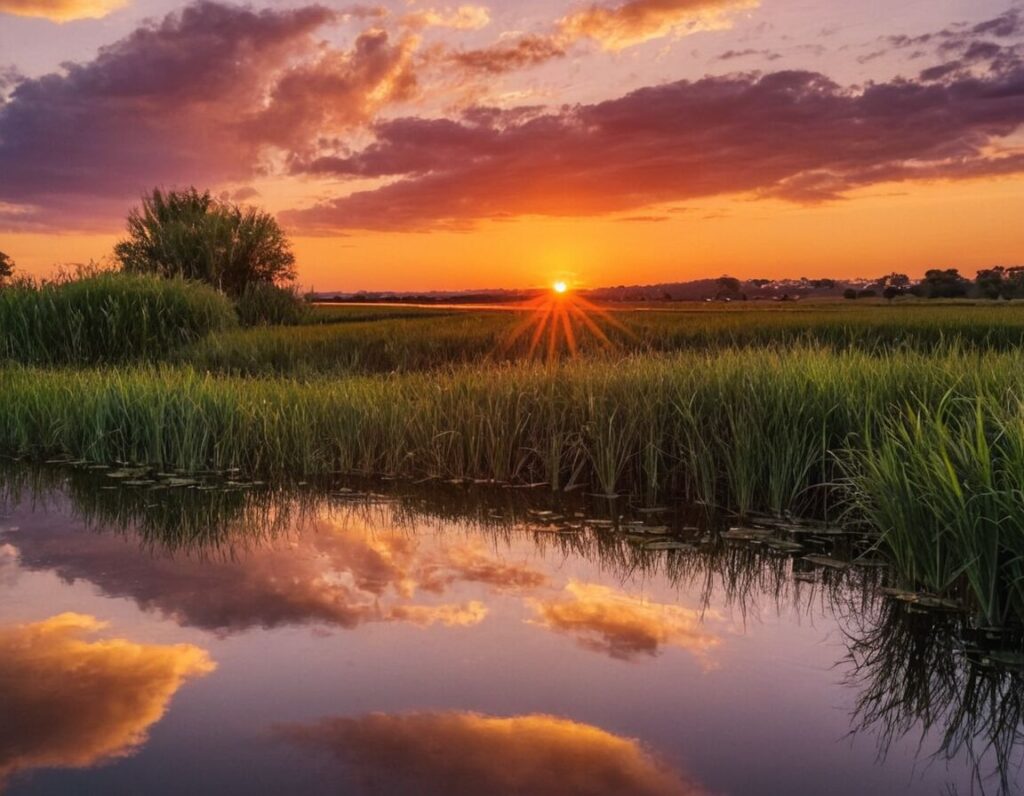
(789, 134)
(203, 96)
(464, 754)
(341, 578)
(61, 10)
(615, 27)
(336, 91)
(73, 703)
(525, 51)
(613, 623)
(461, 18)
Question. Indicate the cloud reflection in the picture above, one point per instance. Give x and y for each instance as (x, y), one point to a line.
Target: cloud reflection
(613, 623)
(67, 702)
(341, 577)
(469, 754)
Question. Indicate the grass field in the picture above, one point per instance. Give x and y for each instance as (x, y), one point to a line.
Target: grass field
(341, 340)
(906, 419)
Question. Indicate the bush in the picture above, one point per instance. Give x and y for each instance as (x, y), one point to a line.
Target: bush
(264, 304)
(191, 235)
(107, 318)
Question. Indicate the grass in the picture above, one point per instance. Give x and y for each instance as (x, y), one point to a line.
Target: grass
(107, 318)
(722, 428)
(341, 340)
(944, 485)
(905, 419)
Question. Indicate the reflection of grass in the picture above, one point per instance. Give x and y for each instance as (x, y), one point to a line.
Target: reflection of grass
(914, 675)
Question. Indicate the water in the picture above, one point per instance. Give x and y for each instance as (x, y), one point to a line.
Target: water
(192, 641)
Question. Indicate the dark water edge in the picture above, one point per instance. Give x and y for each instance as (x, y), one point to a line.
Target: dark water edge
(164, 634)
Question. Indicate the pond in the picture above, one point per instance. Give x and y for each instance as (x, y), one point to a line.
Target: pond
(181, 637)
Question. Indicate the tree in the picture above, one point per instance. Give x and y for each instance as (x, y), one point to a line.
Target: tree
(1001, 282)
(850, 294)
(192, 235)
(991, 283)
(6, 267)
(891, 292)
(944, 283)
(728, 287)
(899, 281)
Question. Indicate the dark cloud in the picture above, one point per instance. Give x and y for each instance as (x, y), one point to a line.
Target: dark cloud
(196, 97)
(794, 135)
(469, 754)
(732, 55)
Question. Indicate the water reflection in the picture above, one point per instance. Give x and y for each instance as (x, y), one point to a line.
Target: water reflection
(917, 671)
(226, 559)
(69, 702)
(610, 622)
(467, 754)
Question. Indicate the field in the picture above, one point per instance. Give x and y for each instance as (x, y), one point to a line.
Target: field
(905, 420)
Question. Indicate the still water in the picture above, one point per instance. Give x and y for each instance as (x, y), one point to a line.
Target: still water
(198, 640)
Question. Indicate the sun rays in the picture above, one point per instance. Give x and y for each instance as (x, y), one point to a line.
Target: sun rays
(559, 322)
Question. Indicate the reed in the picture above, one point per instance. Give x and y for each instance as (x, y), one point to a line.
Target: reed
(943, 485)
(106, 318)
(738, 429)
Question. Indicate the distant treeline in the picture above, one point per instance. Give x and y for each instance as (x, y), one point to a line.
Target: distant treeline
(424, 298)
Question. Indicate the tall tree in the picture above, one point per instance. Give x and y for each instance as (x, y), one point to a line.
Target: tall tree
(192, 235)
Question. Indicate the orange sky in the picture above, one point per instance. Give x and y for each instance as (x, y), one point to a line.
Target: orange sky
(967, 225)
(410, 146)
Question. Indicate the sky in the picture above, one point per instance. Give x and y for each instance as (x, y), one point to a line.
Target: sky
(413, 145)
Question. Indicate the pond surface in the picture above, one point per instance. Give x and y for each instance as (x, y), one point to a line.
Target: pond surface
(200, 641)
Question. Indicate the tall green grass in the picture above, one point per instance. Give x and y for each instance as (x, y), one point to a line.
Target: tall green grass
(347, 340)
(107, 318)
(739, 429)
(945, 486)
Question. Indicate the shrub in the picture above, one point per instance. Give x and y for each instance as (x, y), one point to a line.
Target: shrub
(264, 304)
(107, 318)
(194, 236)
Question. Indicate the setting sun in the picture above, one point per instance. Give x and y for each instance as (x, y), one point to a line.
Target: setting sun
(560, 287)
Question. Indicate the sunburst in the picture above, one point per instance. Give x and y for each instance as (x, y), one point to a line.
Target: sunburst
(559, 321)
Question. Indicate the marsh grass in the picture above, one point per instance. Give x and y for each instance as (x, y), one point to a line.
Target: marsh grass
(353, 340)
(738, 429)
(945, 485)
(107, 318)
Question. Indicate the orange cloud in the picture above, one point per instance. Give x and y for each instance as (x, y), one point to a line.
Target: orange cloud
(472, 613)
(461, 18)
(638, 21)
(604, 620)
(71, 703)
(469, 563)
(464, 754)
(61, 10)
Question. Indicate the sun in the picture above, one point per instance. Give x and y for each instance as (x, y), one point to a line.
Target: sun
(560, 287)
